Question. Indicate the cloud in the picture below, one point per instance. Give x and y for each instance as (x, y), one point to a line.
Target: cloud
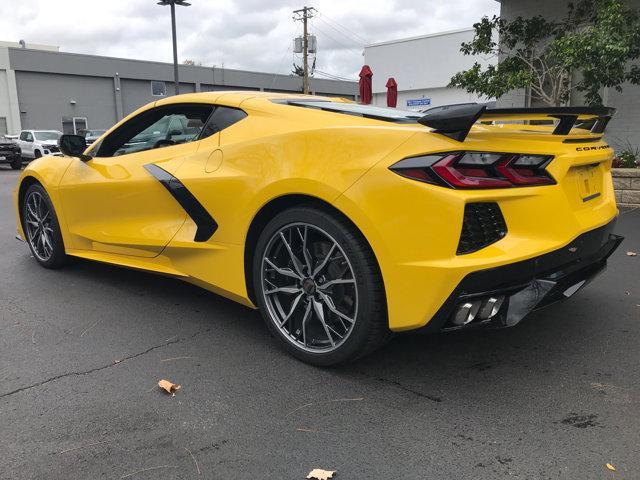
(244, 34)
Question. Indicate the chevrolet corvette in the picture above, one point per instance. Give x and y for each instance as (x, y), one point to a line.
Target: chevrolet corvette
(341, 222)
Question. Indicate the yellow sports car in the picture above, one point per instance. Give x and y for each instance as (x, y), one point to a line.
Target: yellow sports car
(341, 222)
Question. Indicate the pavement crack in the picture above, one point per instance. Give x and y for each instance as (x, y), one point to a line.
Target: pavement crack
(404, 387)
(103, 367)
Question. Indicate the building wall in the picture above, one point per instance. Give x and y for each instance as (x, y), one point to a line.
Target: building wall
(422, 67)
(5, 113)
(106, 89)
(437, 96)
(623, 128)
(8, 95)
(136, 93)
(45, 98)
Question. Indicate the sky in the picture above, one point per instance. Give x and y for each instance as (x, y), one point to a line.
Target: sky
(243, 34)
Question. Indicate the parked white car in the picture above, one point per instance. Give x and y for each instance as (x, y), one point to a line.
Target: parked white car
(36, 143)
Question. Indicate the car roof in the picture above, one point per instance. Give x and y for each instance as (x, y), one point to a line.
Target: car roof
(233, 97)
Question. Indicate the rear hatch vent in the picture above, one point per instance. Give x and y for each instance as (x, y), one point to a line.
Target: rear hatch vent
(483, 225)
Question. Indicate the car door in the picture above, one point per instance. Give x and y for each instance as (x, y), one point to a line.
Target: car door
(113, 202)
(26, 143)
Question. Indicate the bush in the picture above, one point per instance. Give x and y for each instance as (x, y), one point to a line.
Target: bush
(626, 159)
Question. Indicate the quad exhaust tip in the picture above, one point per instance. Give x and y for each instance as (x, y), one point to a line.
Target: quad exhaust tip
(480, 310)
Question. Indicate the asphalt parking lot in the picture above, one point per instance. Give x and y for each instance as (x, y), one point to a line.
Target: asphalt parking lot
(81, 350)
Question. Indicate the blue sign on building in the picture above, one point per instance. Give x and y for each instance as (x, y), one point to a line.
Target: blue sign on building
(418, 102)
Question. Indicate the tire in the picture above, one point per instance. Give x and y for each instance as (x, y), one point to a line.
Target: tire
(16, 163)
(47, 249)
(353, 306)
(37, 154)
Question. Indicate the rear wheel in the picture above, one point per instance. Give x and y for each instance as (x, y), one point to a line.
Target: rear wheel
(42, 229)
(319, 288)
(37, 154)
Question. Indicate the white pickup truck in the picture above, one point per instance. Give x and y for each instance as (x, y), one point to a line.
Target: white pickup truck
(36, 143)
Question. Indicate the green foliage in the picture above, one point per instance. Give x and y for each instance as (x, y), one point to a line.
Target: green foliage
(627, 156)
(298, 70)
(592, 47)
(625, 159)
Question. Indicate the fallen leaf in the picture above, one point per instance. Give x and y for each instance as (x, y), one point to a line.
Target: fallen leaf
(319, 474)
(611, 467)
(168, 387)
(632, 254)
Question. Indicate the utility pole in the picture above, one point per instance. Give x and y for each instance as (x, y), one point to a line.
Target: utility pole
(304, 14)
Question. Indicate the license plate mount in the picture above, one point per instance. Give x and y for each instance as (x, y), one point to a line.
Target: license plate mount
(588, 184)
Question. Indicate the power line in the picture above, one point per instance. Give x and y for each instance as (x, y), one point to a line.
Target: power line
(331, 75)
(334, 77)
(351, 39)
(273, 80)
(315, 27)
(350, 31)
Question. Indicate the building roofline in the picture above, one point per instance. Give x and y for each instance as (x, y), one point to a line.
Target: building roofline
(419, 37)
(182, 66)
(197, 71)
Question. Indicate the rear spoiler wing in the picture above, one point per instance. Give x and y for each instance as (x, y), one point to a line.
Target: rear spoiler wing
(456, 122)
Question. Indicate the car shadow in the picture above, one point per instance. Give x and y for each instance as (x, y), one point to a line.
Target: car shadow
(531, 349)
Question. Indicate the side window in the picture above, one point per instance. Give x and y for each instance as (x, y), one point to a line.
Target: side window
(222, 118)
(156, 128)
(29, 137)
(23, 136)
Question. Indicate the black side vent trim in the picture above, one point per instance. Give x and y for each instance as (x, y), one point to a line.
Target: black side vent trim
(483, 225)
(205, 222)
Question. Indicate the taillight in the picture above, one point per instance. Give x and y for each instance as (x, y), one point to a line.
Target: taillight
(477, 169)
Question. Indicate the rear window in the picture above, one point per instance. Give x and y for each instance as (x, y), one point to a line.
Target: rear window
(368, 111)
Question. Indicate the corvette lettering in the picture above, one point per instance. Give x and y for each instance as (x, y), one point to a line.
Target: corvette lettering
(584, 149)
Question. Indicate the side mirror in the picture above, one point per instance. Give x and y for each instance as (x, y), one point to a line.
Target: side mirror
(73, 146)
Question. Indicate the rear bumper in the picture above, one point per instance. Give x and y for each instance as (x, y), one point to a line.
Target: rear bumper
(529, 284)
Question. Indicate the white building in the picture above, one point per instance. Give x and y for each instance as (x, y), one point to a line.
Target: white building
(423, 67)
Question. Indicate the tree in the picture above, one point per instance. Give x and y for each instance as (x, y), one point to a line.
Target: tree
(188, 61)
(593, 46)
(297, 70)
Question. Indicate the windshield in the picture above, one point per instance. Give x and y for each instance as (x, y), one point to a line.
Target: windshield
(95, 133)
(368, 111)
(47, 135)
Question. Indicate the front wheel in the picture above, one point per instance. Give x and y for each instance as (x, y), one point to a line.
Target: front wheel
(16, 163)
(319, 287)
(41, 227)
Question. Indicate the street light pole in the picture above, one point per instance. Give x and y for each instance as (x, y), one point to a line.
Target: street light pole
(172, 4)
(176, 80)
